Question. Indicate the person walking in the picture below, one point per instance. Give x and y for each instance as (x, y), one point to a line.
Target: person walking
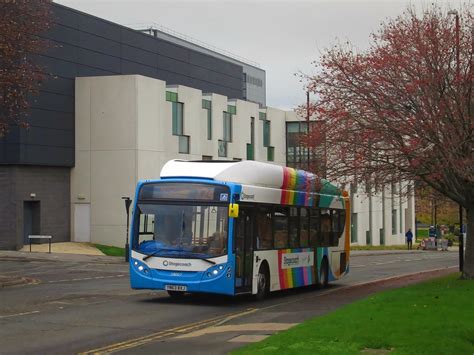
(409, 237)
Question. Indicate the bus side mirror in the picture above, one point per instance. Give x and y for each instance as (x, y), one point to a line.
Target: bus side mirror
(233, 210)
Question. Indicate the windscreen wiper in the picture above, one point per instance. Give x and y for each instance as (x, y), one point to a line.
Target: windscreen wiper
(209, 261)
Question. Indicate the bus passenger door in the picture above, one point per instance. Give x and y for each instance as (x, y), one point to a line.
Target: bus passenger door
(244, 251)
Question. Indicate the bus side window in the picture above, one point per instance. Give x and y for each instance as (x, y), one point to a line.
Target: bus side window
(264, 228)
(304, 230)
(294, 227)
(281, 227)
(326, 227)
(314, 228)
(335, 232)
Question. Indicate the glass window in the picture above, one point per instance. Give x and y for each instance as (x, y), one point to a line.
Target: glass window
(263, 220)
(294, 227)
(206, 104)
(262, 115)
(172, 191)
(270, 153)
(266, 133)
(232, 109)
(177, 114)
(281, 227)
(183, 144)
(326, 227)
(304, 227)
(171, 96)
(227, 127)
(198, 231)
(314, 228)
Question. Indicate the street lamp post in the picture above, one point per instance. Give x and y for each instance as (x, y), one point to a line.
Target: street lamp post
(458, 78)
(128, 202)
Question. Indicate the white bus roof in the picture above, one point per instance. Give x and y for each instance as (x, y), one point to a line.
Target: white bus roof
(243, 172)
(262, 182)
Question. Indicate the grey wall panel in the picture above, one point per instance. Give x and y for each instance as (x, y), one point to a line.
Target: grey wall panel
(58, 85)
(98, 60)
(56, 67)
(137, 39)
(98, 26)
(51, 186)
(137, 68)
(84, 45)
(60, 137)
(47, 118)
(85, 70)
(95, 42)
(140, 56)
(54, 102)
(47, 155)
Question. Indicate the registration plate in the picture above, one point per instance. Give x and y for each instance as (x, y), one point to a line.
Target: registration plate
(175, 288)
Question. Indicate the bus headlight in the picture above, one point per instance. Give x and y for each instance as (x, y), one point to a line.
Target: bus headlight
(215, 272)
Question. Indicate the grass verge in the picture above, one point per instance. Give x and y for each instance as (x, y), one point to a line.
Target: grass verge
(110, 250)
(435, 317)
(379, 247)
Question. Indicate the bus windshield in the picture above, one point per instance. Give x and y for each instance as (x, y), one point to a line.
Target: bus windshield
(172, 230)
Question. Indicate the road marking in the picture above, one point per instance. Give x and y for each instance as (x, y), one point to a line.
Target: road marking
(133, 343)
(86, 278)
(19, 314)
(250, 327)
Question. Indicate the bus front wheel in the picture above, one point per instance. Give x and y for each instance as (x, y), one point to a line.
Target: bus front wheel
(263, 283)
(323, 274)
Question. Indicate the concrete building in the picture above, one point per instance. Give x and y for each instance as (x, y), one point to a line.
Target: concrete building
(127, 127)
(117, 105)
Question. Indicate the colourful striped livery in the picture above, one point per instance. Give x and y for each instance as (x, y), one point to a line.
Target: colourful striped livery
(292, 274)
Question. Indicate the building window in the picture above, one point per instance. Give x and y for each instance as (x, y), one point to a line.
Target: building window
(227, 116)
(394, 221)
(206, 104)
(250, 147)
(354, 227)
(266, 133)
(177, 114)
(232, 109)
(207, 157)
(262, 116)
(222, 148)
(171, 96)
(271, 153)
(184, 144)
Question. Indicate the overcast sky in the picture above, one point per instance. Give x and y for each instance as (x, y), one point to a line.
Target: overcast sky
(284, 37)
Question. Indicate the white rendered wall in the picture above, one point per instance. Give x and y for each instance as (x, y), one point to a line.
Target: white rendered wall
(124, 134)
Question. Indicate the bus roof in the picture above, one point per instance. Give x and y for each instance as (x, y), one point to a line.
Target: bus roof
(250, 172)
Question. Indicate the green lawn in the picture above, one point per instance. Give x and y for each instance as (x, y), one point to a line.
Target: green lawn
(379, 247)
(435, 317)
(109, 250)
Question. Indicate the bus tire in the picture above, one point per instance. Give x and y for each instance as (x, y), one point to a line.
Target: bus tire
(176, 294)
(263, 283)
(324, 274)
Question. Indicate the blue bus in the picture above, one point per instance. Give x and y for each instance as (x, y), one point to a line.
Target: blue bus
(235, 228)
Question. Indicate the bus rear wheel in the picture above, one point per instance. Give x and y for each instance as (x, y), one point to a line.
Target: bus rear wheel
(323, 274)
(263, 284)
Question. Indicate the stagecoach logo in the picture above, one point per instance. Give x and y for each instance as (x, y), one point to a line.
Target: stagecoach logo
(292, 260)
(244, 196)
(176, 263)
(224, 197)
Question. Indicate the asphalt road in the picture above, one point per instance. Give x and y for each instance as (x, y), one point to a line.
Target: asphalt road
(83, 304)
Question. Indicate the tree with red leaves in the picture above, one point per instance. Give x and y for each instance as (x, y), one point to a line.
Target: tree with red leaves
(403, 109)
(21, 23)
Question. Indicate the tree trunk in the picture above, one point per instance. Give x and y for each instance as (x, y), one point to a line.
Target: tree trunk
(468, 272)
